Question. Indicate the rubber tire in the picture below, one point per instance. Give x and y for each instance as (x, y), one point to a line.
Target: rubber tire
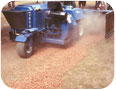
(21, 50)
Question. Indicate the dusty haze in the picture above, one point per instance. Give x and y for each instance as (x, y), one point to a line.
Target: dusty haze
(93, 23)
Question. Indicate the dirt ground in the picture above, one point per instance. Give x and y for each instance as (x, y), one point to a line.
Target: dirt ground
(53, 67)
(95, 70)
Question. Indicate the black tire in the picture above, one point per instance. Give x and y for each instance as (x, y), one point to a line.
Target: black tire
(24, 50)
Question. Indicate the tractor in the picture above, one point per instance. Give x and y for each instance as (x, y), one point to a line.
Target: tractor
(49, 22)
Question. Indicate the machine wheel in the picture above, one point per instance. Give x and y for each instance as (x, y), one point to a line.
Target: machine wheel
(26, 49)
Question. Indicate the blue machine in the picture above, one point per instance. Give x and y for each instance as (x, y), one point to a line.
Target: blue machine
(42, 23)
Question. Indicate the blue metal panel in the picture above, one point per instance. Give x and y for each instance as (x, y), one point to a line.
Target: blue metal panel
(22, 38)
(76, 13)
(27, 20)
(52, 40)
(57, 41)
(40, 19)
(64, 30)
(24, 8)
(34, 29)
(34, 19)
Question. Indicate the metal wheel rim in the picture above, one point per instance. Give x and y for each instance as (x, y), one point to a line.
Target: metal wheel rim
(29, 47)
(29, 50)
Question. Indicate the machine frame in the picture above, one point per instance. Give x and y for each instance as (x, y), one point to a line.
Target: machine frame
(39, 23)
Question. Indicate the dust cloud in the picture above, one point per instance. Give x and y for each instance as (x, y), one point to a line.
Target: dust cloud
(93, 23)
